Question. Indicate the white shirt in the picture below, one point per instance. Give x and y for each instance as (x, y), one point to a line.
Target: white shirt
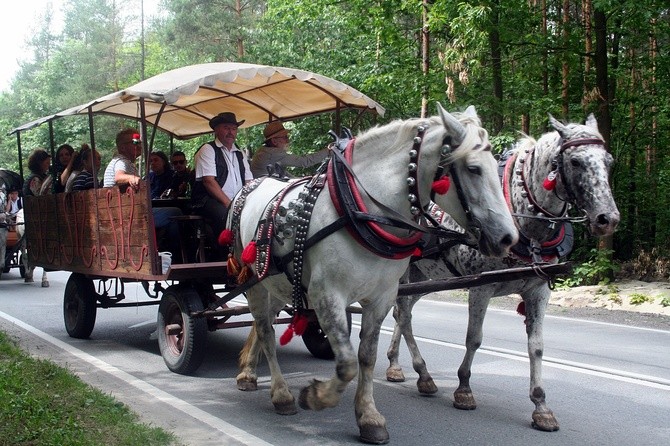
(205, 166)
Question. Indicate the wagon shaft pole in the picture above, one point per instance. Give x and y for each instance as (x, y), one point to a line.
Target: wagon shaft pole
(429, 286)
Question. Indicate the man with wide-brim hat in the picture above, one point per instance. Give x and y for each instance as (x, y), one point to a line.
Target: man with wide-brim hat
(274, 151)
(221, 170)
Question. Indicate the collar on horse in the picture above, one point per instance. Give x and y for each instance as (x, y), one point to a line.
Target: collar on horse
(367, 228)
(560, 243)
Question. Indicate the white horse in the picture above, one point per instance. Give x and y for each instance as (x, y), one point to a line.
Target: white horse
(392, 171)
(541, 180)
(30, 269)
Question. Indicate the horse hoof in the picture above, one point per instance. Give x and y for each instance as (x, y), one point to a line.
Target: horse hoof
(426, 387)
(286, 408)
(464, 401)
(247, 384)
(544, 421)
(395, 375)
(374, 434)
(28, 280)
(45, 284)
(308, 398)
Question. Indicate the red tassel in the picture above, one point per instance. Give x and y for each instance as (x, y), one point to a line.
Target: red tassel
(249, 253)
(521, 308)
(417, 253)
(300, 323)
(232, 266)
(549, 183)
(287, 336)
(226, 237)
(441, 186)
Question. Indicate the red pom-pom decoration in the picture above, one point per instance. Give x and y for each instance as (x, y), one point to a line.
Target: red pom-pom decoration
(300, 323)
(441, 186)
(417, 253)
(226, 237)
(521, 308)
(286, 336)
(249, 253)
(549, 183)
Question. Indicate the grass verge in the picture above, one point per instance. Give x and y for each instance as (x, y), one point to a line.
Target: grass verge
(44, 404)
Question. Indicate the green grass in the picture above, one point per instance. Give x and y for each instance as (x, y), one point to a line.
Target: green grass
(44, 404)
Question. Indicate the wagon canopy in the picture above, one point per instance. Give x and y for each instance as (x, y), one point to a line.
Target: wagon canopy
(181, 102)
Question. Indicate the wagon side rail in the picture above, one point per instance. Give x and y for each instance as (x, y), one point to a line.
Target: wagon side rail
(105, 232)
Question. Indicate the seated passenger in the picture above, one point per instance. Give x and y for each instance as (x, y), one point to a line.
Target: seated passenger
(121, 170)
(221, 170)
(183, 176)
(161, 175)
(274, 150)
(38, 182)
(89, 162)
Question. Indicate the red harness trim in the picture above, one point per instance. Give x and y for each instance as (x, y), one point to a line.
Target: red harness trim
(409, 242)
(509, 166)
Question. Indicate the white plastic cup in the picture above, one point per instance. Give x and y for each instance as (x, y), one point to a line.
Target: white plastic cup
(166, 261)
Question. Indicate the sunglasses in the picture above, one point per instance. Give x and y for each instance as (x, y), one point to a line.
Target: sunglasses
(178, 161)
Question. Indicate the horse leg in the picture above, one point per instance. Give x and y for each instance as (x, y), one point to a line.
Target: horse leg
(371, 424)
(403, 316)
(45, 280)
(248, 362)
(331, 313)
(394, 372)
(536, 302)
(263, 313)
(478, 302)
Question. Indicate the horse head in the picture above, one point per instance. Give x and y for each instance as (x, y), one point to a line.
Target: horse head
(474, 198)
(584, 165)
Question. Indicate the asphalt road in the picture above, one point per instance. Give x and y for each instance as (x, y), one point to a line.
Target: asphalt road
(608, 383)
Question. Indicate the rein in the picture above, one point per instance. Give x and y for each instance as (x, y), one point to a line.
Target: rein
(345, 191)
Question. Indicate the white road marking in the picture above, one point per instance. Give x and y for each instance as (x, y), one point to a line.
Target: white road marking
(226, 429)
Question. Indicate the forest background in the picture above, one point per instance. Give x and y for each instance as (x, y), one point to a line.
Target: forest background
(515, 60)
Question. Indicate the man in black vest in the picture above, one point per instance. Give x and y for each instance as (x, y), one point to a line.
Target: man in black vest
(221, 170)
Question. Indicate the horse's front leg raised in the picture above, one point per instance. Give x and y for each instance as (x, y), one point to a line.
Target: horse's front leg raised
(536, 303)
(477, 305)
(263, 314)
(332, 318)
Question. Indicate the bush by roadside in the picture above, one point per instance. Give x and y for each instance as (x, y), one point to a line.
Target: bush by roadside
(44, 404)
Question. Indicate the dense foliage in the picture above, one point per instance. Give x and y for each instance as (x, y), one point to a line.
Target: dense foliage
(515, 60)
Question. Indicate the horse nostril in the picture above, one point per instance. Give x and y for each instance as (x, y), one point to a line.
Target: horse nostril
(602, 219)
(508, 240)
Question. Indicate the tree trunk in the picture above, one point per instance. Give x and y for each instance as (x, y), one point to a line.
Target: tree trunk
(496, 68)
(565, 68)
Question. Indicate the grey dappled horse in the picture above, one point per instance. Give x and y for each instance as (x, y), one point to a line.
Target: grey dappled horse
(576, 153)
(392, 170)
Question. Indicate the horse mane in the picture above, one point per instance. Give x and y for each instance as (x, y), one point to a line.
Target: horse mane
(397, 133)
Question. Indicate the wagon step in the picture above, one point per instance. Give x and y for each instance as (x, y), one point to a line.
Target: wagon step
(430, 286)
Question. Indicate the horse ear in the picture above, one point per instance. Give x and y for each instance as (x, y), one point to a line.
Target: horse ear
(560, 128)
(591, 121)
(470, 111)
(453, 125)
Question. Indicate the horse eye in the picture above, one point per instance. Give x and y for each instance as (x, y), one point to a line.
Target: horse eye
(575, 163)
(475, 170)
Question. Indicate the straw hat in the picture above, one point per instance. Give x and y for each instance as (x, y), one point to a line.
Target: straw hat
(274, 129)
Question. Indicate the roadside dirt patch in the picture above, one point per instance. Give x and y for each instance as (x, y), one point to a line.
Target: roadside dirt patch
(626, 295)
